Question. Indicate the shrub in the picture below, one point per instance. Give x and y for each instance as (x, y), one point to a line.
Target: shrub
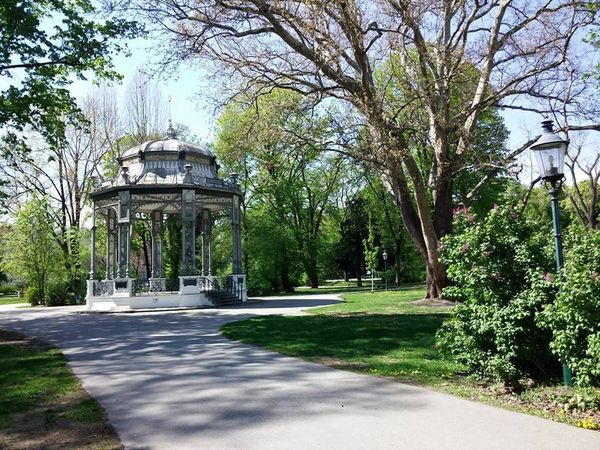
(58, 295)
(493, 263)
(574, 317)
(8, 289)
(33, 296)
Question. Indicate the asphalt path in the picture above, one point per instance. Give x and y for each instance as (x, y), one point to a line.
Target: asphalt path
(169, 380)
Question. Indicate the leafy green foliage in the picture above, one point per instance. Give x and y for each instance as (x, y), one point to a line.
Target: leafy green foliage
(32, 253)
(278, 146)
(574, 316)
(44, 44)
(493, 263)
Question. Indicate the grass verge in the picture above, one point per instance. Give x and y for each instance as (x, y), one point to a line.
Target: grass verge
(11, 300)
(42, 404)
(385, 334)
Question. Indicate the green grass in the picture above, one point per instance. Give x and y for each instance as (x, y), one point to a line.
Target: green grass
(43, 403)
(11, 300)
(29, 376)
(87, 411)
(380, 333)
(382, 302)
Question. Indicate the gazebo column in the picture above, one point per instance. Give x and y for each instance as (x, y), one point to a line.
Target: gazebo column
(157, 282)
(188, 232)
(93, 247)
(206, 226)
(235, 232)
(188, 282)
(123, 285)
(237, 283)
(91, 283)
(111, 243)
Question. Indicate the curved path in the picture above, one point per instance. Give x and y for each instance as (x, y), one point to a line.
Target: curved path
(169, 380)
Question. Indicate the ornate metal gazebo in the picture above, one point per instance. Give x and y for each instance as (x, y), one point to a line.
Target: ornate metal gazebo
(155, 179)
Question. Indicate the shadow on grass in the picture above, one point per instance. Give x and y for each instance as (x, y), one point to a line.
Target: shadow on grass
(384, 344)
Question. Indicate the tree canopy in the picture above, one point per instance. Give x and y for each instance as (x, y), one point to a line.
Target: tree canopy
(44, 46)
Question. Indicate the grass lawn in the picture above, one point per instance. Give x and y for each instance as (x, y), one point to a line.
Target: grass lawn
(11, 300)
(385, 334)
(42, 404)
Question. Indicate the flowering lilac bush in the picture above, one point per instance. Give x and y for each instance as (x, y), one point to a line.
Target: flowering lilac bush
(574, 316)
(494, 263)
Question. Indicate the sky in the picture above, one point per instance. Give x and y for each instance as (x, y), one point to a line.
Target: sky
(190, 103)
(185, 87)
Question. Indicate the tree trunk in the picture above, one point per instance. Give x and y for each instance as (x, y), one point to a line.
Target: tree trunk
(436, 280)
(313, 277)
(286, 285)
(398, 259)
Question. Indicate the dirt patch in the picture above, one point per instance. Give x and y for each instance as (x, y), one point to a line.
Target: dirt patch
(72, 421)
(434, 302)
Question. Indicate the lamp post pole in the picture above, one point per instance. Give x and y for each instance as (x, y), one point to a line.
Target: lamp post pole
(550, 150)
(554, 189)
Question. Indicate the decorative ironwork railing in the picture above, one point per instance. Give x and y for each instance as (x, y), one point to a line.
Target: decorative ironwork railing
(235, 288)
(103, 288)
(151, 286)
(141, 286)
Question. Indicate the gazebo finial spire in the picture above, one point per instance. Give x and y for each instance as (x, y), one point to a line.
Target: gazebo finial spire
(170, 131)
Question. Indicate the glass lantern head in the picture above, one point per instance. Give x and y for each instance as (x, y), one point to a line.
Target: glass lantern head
(550, 151)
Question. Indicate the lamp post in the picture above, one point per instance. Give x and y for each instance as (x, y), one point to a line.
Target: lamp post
(550, 151)
(385, 255)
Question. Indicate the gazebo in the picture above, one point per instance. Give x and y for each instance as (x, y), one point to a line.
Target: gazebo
(156, 179)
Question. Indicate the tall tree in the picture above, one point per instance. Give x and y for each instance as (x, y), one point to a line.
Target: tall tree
(332, 48)
(279, 144)
(63, 175)
(32, 253)
(145, 109)
(44, 46)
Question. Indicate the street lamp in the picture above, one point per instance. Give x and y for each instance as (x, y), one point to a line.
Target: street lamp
(385, 255)
(550, 151)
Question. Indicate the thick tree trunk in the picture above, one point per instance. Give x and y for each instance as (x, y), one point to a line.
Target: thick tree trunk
(313, 275)
(436, 280)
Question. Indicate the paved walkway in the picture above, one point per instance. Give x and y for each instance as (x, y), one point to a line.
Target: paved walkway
(169, 380)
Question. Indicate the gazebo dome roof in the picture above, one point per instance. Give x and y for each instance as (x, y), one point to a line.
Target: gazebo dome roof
(168, 161)
(167, 145)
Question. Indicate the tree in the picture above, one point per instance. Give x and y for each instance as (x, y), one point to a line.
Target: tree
(145, 112)
(63, 175)
(584, 195)
(403, 255)
(354, 229)
(277, 143)
(331, 49)
(44, 45)
(32, 252)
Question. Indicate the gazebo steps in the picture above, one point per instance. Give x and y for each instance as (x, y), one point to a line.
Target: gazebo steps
(223, 298)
